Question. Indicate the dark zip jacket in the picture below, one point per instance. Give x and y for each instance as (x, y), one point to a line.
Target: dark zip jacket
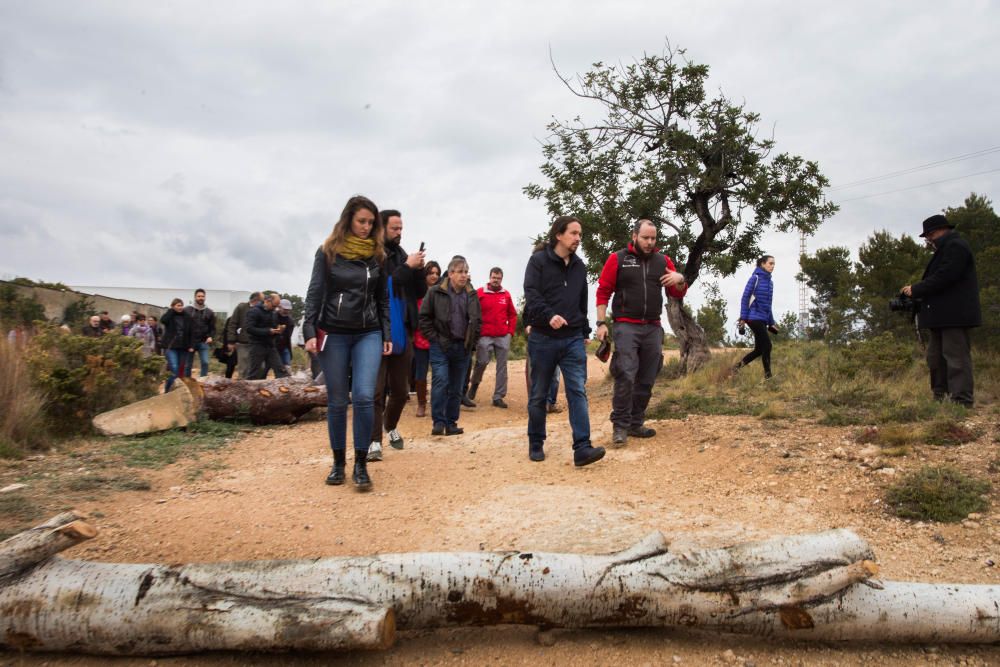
(349, 295)
(553, 287)
(435, 320)
(949, 290)
(204, 323)
(406, 282)
(177, 329)
(259, 323)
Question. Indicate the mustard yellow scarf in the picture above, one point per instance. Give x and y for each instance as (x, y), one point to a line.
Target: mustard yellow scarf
(356, 248)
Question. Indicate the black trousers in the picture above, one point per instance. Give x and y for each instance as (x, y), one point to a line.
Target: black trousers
(262, 359)
(761, 346)
(394, 380)
(949, 358)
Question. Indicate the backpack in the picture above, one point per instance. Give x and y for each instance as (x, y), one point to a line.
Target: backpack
(397, 320)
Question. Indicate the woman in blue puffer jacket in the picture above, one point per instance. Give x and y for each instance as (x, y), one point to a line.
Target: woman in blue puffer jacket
(755, 312)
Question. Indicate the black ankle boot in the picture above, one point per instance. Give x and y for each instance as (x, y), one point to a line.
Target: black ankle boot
(362, 482)
(336, 476)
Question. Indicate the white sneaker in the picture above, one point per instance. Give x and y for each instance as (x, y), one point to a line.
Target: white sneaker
(374, 452)
(395, 439)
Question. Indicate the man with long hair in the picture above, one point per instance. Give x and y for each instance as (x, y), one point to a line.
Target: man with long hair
(555, 291)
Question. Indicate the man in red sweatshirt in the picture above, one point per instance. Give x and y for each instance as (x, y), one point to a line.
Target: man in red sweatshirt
(638, 277)
(499, 325)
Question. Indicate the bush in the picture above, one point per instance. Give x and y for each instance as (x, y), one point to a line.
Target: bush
(22, 407)
(938, 494)
(947, 433)
(82, 377)
(883, 357)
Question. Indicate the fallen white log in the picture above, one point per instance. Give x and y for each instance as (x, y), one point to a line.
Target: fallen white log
(816, 587)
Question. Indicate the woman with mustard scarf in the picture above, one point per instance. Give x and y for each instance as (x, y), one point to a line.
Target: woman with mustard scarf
(347, 325)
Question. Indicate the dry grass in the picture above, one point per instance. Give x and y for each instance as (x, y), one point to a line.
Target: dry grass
(22, 417)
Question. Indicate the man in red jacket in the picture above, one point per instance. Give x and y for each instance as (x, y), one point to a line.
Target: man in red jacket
(637, 276)
(499, 325)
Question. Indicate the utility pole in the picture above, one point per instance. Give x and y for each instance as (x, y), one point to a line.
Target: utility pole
(803, 322)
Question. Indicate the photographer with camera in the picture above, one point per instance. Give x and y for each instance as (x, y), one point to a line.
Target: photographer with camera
(947, 303)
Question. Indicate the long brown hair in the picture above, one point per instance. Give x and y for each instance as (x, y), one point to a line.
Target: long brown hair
(335, 241)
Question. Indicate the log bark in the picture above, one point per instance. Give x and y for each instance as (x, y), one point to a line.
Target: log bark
(817, 587)
(276, 401)
(694, 350)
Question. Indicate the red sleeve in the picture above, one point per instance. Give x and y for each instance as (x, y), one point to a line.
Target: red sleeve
(609, 278)
(673, 290)
(511, 315)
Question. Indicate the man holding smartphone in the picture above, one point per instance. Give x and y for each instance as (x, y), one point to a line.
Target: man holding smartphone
(407, 273)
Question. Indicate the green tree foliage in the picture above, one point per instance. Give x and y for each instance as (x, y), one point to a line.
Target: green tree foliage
(17, 309)
(75, 315)
(884, 265)
(829, 273)
(711, 317)
(82, 377)
(788, 326)
(28, 282)
(697, 165)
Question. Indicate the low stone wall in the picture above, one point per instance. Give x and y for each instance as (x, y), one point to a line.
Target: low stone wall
(55, 302)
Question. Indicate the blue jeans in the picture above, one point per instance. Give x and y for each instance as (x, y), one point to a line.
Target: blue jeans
(353, 358)
(448, 368)
(569, 355)
(202, 349)
(175, 360)
(286, 356)
(554, 390)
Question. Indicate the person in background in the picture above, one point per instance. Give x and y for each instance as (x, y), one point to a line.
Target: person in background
(450, 318)
(204, 330)
(157, 328)
(126, 324)
(755, 312)
(422, 346)
(93, 328)
(348, 299)
(499, 325)
(178, 345)
(107, 324)
(264, 330)
(142, 332)
(236, 333)
(284, 341)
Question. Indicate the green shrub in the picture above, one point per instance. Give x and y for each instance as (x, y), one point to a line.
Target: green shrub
(82, 377)
(948, 433)
(883, 356)
(938, 494)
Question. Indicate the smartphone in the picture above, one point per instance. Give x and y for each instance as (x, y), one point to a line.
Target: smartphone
(421, 246)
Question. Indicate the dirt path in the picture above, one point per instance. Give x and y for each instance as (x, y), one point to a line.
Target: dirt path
(704, 480)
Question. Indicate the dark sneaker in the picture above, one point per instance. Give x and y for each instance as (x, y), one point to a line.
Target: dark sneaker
(499, 403)
(453, 430)
(395, 439)
(468, 402)
(472, 391)
(438, 429)
(587, 455)
(536, 453)
(618, 437)
(642, 432)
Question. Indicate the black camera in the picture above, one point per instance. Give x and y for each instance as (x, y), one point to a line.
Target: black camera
(904, 304)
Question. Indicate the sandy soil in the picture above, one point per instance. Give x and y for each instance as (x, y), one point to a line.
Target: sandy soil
(703, 481)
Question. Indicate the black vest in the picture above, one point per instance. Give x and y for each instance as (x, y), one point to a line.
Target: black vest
(638, 293)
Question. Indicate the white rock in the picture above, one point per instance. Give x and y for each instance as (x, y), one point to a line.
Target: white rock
(13, 487)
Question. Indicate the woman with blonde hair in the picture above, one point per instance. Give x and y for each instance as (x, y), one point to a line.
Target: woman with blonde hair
(347, 324)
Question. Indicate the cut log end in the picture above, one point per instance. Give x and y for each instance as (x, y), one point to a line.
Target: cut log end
(78, 530)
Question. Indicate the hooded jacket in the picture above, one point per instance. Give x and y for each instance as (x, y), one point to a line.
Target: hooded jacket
(435, 323)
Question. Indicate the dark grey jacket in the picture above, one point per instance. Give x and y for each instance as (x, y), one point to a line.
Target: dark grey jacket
(949, 290)
(434, 321)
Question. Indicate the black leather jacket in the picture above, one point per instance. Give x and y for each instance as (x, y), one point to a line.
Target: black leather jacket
(349, 294)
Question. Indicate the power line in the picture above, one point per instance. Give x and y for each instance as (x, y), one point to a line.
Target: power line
(911, 170)
(923, 185)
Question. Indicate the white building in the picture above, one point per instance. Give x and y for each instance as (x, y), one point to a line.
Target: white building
(221, 301)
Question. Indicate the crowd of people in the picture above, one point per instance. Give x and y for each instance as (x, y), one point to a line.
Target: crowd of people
(377, 318)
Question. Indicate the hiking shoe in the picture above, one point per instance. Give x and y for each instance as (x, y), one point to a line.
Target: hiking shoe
(395, 439)
(536, 453)
(438, 429)
(453, 430)
(374, 452)
(468, 402)
(587, 455)
(642, 432)
(619, 437)
(499, 403)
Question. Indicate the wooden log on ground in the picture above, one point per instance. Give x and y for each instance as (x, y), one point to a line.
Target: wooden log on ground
(276, 401)
(157, 413)
(817, 587)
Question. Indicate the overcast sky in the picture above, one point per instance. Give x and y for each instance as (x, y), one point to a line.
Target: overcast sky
(182, 144)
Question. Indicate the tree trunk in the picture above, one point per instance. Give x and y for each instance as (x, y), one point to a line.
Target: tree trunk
(816, 587)
(158, 413)
(277, 401)
(694, 345)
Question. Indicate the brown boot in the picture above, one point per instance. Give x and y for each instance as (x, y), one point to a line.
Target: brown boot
(421, 398)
